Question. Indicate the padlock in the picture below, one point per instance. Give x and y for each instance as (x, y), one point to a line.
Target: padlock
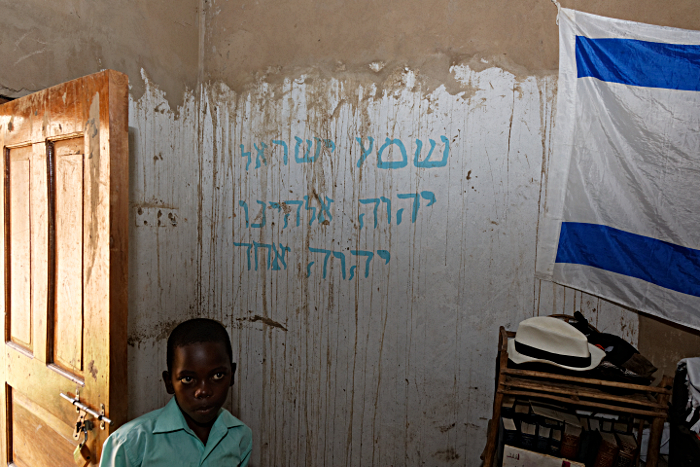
(82, 455)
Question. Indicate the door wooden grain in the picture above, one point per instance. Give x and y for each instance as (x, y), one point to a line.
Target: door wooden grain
(65, 238)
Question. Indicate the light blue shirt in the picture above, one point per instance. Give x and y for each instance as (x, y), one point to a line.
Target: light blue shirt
(162, 438)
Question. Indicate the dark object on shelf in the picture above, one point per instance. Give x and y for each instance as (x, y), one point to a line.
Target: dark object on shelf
(684, 447)
(571, 442)
(590, 443)
(555, 442)
(510, 432)
(543, 434)
(622, 355)
(507, 408)
(528, 436)
(628, 450)
(607, 452)
(522, 413)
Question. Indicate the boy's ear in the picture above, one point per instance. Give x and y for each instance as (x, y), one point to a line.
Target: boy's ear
(233, 373)
(168, 383)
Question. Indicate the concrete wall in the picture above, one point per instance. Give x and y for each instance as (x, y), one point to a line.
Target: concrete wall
(44, 43)
(345, 359)
(666, 343)
(392, 364)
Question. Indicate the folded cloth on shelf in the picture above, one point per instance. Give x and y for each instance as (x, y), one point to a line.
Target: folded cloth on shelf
(611, 372)
(639, 365)
(618, 352)
(692, 382)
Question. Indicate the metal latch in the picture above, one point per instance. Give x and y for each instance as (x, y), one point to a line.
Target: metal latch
(82, 407)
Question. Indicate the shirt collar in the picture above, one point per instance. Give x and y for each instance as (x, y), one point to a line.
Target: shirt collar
(228, 420)
(171, 419)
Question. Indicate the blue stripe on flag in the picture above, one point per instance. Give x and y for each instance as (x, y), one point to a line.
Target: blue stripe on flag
(662, 263)
(639, 63)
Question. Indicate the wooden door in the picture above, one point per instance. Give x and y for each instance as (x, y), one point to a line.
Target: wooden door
(64, 202)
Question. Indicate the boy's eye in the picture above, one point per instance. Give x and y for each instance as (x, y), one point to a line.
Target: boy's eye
(218, 376)
(186, 379)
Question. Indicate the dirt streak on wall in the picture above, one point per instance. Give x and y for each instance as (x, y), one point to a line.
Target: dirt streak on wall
(163, 225)
(364, 280)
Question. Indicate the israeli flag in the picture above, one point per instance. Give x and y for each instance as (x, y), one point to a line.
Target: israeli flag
(621, 218)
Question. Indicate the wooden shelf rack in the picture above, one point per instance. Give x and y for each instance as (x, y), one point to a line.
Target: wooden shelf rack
(646, 403)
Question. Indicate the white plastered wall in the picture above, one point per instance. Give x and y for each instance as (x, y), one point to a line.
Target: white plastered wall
(389, 358)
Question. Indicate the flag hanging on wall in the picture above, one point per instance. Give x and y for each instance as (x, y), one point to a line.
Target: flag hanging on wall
(622, 210)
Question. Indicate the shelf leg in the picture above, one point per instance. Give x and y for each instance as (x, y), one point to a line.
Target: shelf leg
(640, 430)
(490, 449)
(657, 425)
(657, 428)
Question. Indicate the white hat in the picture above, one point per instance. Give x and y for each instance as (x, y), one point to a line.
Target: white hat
(550, 340)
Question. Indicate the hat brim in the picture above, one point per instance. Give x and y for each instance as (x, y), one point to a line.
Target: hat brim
(597, 356)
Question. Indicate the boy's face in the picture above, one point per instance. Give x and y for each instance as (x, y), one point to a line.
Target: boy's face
(200, 376)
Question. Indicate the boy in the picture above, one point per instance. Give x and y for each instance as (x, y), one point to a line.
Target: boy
(192, 429)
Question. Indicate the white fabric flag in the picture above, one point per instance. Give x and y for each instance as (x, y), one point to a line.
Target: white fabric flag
(622, 210)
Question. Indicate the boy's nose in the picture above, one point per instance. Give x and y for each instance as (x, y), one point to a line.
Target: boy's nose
(202, 392)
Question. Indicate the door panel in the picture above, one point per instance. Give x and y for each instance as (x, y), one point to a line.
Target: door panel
(38, 438)
(40, 252)
(65, 211)
(68, 311)
(18, 181)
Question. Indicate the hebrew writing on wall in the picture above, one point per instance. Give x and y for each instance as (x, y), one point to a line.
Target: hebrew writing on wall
(362, 244)
(366, 243)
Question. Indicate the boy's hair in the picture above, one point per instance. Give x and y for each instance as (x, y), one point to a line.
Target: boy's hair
(195, 331)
